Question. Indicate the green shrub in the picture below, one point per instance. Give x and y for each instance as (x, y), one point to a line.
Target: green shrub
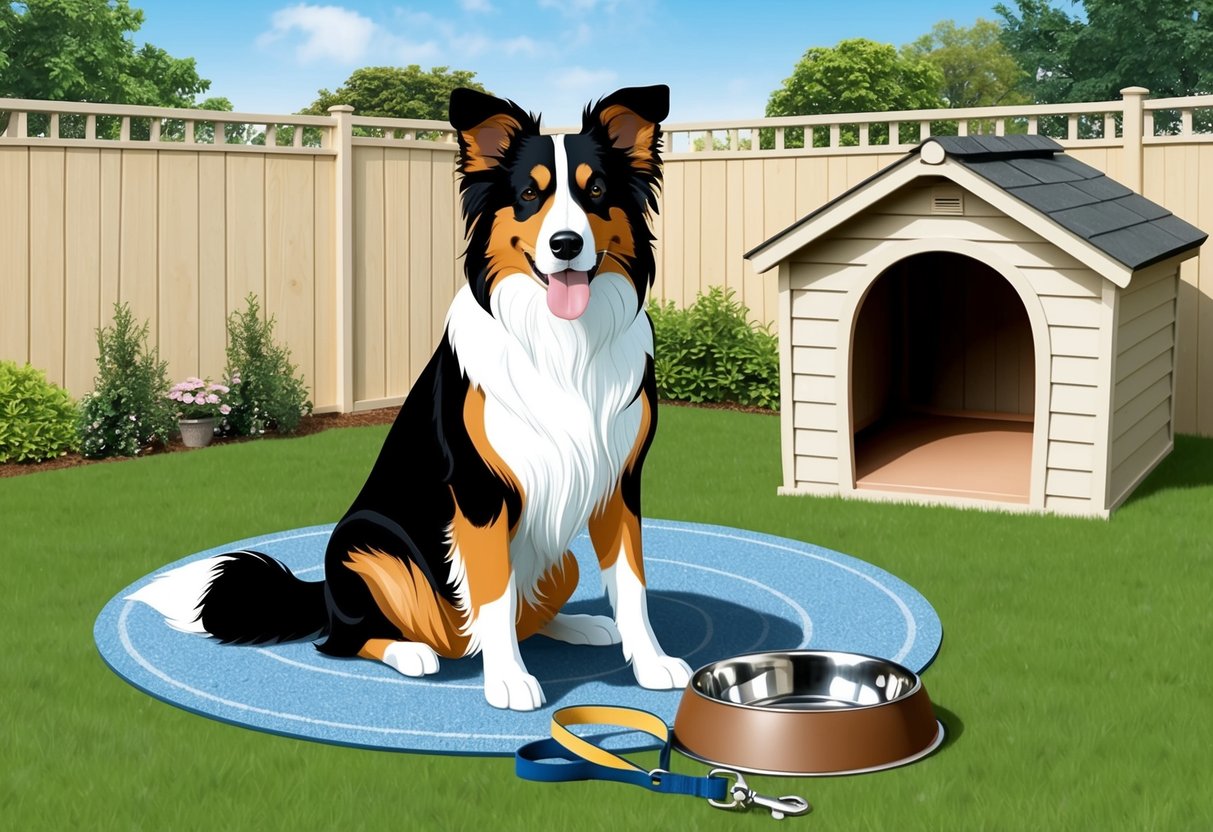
(37, 416)
(710, 352)
(266, 394)
(128, 408)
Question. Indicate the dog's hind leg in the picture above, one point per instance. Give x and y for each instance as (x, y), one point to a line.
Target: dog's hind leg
(411, 658)
(555, 588)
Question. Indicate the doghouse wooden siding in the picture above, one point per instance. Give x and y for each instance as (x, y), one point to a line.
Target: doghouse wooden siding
(1142, 404)
(1094, 265)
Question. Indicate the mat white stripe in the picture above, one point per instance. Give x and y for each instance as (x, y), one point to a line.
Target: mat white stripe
(345, 726)
(906, 614)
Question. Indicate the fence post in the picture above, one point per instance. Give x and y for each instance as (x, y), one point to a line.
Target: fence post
(342, 144)
(1132, 130)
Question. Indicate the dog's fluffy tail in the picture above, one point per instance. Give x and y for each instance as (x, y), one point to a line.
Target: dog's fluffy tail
(239, 598)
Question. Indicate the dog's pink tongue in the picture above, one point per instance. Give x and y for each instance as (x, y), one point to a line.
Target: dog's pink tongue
(568, 294)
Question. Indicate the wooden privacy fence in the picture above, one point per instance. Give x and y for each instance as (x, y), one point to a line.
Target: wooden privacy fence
(348, 230)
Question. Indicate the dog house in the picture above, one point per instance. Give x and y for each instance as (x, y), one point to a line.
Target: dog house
(986, 322)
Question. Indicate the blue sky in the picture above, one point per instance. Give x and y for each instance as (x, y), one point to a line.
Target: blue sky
(721, 59)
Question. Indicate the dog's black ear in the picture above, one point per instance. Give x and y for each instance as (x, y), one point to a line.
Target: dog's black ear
(486, 126)
(631, 117)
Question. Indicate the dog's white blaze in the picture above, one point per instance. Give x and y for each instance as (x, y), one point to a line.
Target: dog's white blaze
(560, 402)
(177, 594)
(564, 215)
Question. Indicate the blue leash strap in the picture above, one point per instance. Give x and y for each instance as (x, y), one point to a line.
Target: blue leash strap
(567, 757)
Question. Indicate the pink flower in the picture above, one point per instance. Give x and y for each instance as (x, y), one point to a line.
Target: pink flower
(224, 409)
(187, 398)
(211, 398)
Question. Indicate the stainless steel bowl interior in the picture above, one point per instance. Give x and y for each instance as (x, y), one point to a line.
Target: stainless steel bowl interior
(805, 681)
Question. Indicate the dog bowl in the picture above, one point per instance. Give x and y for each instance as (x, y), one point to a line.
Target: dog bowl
(805, 713)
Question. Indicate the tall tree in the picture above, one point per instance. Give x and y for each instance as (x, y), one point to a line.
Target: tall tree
(855, 76)
(396, 92)
(81, 50)
(1164, 45)
(977, 68)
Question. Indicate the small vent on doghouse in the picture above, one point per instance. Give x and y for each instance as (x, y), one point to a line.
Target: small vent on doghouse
(947, 201)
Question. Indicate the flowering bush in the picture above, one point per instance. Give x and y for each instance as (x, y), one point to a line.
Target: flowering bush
(127, 410)
(198, 399)
(267, 393)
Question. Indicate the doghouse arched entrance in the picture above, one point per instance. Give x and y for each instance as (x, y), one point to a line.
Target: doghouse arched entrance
(943, 382)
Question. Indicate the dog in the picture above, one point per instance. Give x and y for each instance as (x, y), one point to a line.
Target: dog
(530, 422)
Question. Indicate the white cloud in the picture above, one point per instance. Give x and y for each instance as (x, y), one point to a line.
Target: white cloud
(476, 6)
(521, 45)
(569, 7)
(580, 79)
(325, 32)
(409, 52)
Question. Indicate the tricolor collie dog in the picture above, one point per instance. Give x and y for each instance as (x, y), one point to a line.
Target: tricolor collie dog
(530, 423)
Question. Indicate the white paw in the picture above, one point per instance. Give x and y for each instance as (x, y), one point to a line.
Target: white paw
(596, 630)
(517, 691)
(661, 672)
(411, 658)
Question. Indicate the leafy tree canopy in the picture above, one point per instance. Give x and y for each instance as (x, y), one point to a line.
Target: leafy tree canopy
(80, 50)
(396, 92)
(977, 68)
(1164, 45)
(857, 75)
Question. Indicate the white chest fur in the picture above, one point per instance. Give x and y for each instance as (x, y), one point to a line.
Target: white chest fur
(560, 402)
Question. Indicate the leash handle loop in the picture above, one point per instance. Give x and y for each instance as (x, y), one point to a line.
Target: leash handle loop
(567, 757)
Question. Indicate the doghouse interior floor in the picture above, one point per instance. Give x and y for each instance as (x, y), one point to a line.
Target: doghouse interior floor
(985, 459)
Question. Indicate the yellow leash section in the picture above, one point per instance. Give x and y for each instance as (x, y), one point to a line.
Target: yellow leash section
(565, 757)
(605, 715)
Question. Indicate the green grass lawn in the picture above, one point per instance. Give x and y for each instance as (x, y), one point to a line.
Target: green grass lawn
(1074, 677)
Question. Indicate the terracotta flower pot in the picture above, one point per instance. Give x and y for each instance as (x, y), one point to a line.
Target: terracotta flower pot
(197, 433)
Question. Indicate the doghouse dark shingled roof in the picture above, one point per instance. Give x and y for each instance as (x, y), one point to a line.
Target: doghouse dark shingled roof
(1079, 198)
(1035, 170)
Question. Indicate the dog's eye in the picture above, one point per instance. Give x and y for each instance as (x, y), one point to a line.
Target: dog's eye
(596, 190)
(530, 195)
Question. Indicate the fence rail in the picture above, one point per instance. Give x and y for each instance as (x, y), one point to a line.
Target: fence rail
(348, 226)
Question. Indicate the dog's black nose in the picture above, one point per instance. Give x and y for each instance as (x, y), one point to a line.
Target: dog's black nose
(566, 244)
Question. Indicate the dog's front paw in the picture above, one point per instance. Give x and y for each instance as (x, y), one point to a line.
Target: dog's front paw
(517, 691)
(596, 630)
(661, 672)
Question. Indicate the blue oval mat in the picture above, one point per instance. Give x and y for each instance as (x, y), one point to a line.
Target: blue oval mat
(714, 592)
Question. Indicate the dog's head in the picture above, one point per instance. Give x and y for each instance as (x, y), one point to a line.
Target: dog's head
(559, 209)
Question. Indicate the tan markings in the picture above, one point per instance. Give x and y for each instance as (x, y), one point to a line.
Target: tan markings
(631, 133)
(473, 419)
(554, 589)
(542, 176)
(613, 527)
(646, 419)
(509, 239)
(406, 599)
(487, 142)
(583, 174)
(485, 551)
(375, 648)
(614, 236)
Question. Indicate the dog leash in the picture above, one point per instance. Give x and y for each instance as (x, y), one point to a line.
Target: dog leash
(566, 757)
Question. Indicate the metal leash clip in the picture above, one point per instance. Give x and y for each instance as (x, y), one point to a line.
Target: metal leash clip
(745, 797)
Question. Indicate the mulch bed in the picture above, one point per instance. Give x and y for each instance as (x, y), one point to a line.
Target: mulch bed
(312, 424)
